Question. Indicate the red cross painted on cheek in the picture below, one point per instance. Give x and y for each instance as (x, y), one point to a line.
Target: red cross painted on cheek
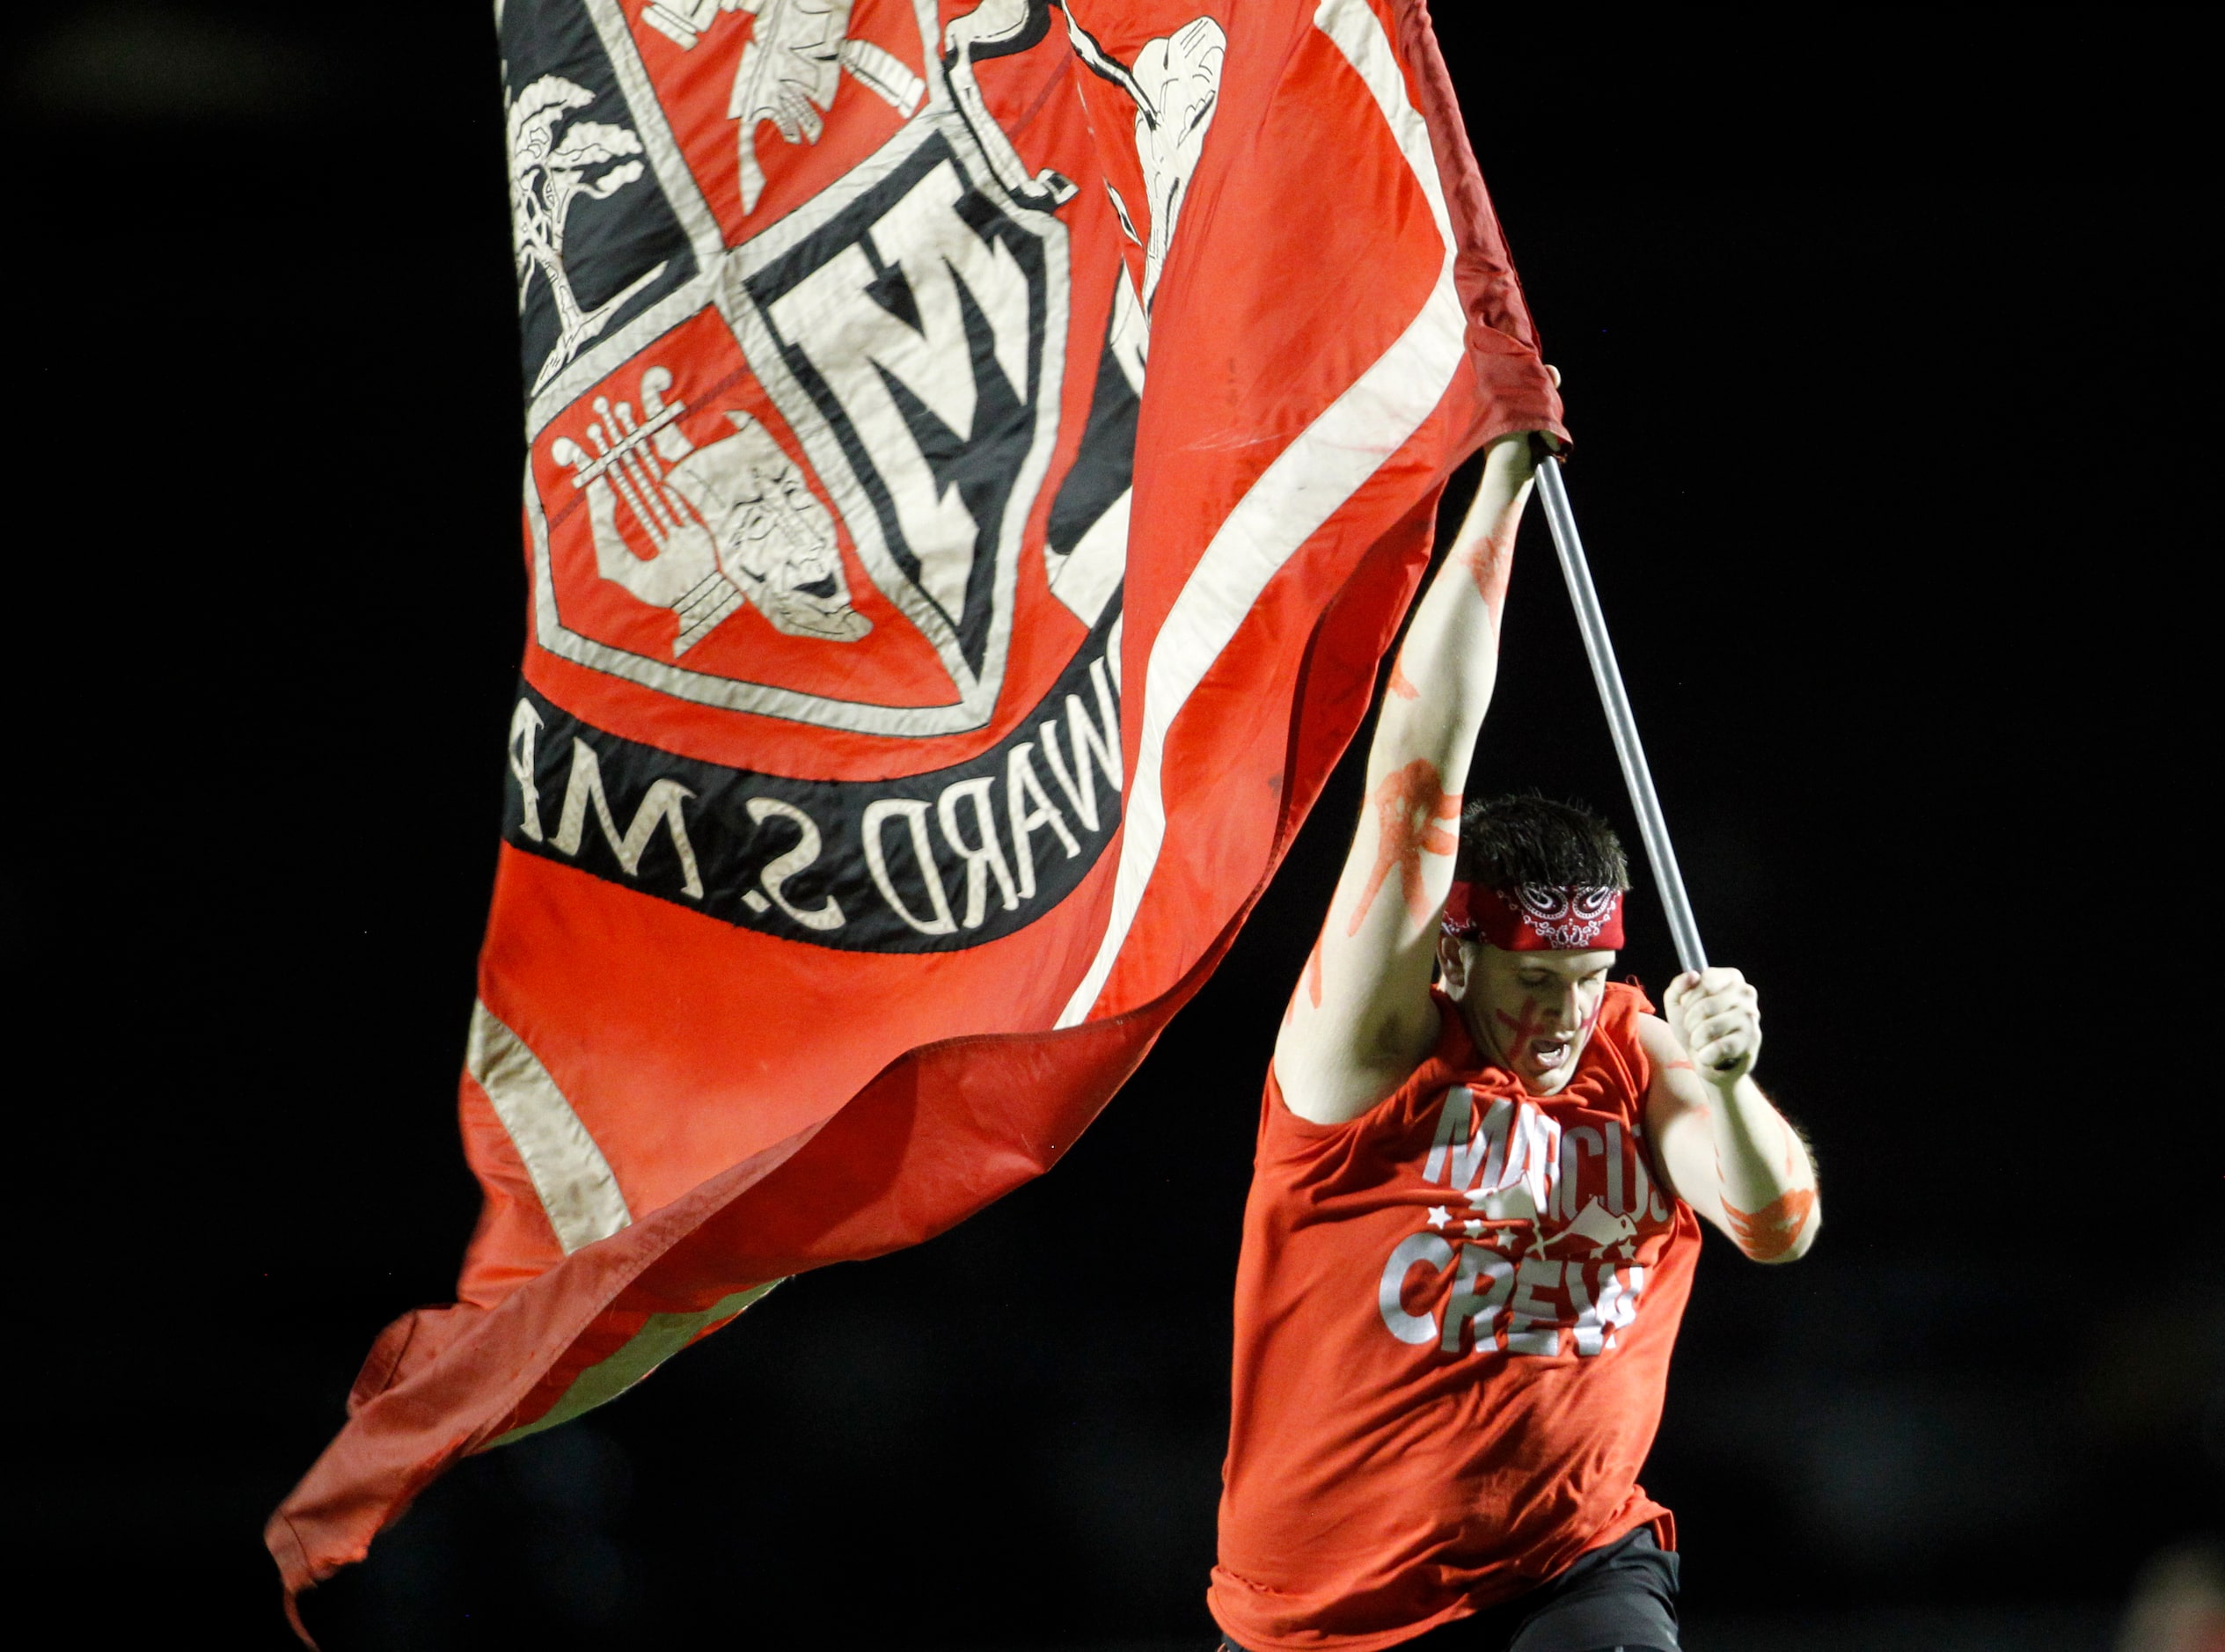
(1520, 1030)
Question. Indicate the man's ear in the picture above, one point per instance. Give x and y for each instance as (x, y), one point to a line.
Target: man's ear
(1452, 966)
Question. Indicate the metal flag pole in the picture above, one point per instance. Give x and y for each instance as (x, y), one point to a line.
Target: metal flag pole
(1636, 775)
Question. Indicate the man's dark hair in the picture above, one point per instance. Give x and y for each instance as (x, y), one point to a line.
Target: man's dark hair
(1526, 839)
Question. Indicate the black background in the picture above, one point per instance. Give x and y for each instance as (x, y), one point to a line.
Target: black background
(1888, 357)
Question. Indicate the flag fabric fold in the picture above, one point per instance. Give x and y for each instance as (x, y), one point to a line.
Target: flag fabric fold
(977, 454)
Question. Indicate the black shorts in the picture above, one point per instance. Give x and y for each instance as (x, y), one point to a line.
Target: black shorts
(1622, 1595)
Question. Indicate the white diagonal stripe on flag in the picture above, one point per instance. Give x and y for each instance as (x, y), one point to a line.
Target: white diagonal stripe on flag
(1358, 33)
(1309, 480)
(660, 1336)
(574, 1181)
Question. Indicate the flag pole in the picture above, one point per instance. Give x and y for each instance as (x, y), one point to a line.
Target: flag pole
(1620, 723)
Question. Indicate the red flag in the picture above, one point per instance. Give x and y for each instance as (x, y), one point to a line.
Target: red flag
(978, 453)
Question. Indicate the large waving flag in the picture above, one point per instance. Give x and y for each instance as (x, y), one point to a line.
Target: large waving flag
(980, 451)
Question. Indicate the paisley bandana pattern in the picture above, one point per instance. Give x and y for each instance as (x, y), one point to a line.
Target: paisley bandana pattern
(1536, 917)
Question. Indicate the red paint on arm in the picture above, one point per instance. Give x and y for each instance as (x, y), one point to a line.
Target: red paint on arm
(1775, 1228)
(1490, 562)
(1311, 979)
(1401, 684)
(1410, 809)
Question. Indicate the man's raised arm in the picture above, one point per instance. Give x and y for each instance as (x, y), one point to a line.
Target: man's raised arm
(1361, 1019)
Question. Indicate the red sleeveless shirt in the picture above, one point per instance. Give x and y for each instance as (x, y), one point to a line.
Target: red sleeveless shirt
(1454, 1318)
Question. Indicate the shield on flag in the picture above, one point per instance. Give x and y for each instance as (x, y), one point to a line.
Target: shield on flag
(977, 451)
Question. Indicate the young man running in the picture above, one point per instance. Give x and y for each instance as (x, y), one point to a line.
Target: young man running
(1475, 1210)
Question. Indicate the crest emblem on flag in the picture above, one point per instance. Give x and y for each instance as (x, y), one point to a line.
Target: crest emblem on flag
(815, 509)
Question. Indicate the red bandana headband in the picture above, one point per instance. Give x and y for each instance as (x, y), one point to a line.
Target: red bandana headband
(1536, 917)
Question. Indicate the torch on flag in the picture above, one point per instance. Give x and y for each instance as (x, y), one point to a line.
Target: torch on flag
(978, 451)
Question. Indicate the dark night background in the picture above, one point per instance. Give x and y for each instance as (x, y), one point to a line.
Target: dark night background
(1888, 358)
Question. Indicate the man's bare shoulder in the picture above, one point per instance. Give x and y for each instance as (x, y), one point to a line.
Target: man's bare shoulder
(1335, 1084)
(1660, 1043)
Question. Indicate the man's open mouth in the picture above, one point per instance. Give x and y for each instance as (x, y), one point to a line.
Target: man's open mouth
(1549, 1053)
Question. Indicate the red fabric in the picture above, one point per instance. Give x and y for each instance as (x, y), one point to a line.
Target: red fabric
(1377, 1486)
(1535, 917)
(764, 1098)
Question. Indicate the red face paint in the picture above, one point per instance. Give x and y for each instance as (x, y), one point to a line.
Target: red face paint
(1535, 1018)
(1409, 806)
(1514, 1045)
(1522, 1030)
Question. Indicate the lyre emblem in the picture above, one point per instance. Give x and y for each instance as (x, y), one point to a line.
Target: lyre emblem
(729, 521)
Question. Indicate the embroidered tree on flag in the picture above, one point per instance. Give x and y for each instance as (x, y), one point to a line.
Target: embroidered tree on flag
(549, 173)
(945, 603)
